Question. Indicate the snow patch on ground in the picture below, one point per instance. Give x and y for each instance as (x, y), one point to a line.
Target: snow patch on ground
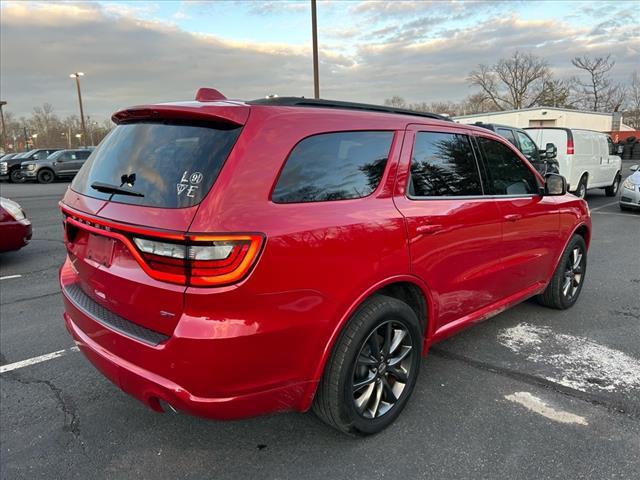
(536, 405)
(576, 362)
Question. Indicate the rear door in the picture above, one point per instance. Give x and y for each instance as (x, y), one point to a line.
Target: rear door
(530, 221)
(130, 252)
(454, 230)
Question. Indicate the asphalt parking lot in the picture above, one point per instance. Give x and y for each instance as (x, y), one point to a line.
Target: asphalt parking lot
(531, 393)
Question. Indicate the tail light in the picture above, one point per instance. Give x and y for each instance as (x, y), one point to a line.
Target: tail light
(570, 146)
(201, 260)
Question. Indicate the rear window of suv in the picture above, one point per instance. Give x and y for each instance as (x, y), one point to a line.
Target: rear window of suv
(172, 165)
(334, 166)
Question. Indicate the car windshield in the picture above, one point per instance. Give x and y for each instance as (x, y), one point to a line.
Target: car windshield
(25, 154)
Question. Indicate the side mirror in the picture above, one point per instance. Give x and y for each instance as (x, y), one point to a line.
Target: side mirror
(551, 151)
(619, 149)
(555, 185)
(634, 168)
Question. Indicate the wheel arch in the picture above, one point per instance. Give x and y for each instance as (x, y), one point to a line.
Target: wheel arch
(409, 289)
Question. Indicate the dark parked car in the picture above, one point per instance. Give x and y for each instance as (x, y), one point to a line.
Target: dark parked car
(16, 228)
(10, 169)
(543, 160)
(230, 259)
(60, 164)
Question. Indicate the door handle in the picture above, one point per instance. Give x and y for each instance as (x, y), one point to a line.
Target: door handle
(513, 217)
(428, 229)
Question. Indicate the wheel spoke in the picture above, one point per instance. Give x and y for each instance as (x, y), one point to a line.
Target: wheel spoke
(388, 333)
(398, 336)
(396, 360)
(566, 285)
(376, 401)
(366, 360)
(399, 374)
(389, 395)
(374, 344)
(363, 400)
(363, 383)
(577, 259)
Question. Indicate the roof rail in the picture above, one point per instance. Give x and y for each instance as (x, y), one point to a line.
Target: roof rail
(313, 102)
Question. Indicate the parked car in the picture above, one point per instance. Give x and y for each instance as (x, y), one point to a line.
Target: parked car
(544, 161)
(4, 165)
(60, 164)
(11, 170)
(587, 159)
(16, 227)
(230, 259)
(630, 195)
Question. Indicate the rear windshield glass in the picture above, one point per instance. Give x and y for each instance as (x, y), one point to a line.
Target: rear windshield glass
(160, 164)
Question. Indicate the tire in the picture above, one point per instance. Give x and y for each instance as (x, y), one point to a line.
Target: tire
(15, 176)
(46, 176)
(581, 189)
(570, 267)
(368, 408)
(612, 190)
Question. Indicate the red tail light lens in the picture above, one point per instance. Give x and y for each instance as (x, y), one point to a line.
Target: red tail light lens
(569, 146)
(201, 260)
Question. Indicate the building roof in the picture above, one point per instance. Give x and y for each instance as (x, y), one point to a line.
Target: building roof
(532, 109)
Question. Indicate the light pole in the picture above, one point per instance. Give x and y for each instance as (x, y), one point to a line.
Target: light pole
(77, 76)
(314, 32)
(4, 131)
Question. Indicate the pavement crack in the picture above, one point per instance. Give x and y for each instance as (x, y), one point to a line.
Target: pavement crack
(28, 299)
(71, 422)
(628, 409)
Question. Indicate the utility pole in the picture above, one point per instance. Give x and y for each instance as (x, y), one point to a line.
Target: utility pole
(4, 130)
(77, 76)
(314, 30)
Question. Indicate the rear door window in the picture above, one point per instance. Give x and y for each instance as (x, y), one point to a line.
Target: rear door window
(508, 134)
(172, 165)
(443, 165)
(508, 175)
(333, 166)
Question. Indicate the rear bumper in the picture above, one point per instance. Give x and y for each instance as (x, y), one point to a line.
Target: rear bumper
(151, 388)
(4, 177)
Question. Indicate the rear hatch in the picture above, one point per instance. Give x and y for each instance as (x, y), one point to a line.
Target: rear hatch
(128, 211)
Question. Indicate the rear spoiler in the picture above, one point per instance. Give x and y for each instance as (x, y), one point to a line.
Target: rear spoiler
(217, 112)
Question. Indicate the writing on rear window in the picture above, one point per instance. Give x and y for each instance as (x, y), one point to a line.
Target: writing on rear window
(166, 164)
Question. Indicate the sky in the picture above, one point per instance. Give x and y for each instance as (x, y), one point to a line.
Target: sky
(140, 52)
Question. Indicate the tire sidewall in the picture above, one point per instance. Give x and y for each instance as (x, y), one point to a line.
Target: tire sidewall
(582, 184)
(15, 176)
(400, 313)
(576, 240)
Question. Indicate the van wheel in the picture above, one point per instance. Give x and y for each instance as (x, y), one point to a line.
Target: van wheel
(15, 176)
(45, 176)
(372, 369)
(581, 189)
(612, 190)
(565, 285)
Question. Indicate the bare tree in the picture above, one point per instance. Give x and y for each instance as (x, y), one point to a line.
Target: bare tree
(513, 83)
(395, 101)
(597, 92)
(633, 112)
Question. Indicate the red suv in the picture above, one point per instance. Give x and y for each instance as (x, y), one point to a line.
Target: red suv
(230, 258)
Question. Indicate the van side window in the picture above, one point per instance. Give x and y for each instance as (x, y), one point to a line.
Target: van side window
(334, 166)
(508, 175)
(443, 165)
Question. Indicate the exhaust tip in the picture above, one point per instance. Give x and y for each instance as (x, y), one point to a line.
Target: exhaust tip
(167, 407)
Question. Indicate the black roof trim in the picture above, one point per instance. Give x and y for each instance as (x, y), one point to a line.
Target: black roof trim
(312, 102)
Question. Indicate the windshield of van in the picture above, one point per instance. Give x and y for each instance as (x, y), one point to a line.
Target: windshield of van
(157, 164)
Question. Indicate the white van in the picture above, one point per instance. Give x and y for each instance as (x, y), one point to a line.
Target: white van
(587, 159)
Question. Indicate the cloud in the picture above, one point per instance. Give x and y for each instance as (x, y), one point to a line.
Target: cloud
(132, 57)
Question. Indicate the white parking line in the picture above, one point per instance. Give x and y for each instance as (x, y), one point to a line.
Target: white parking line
(603, 206)
(34, 360)
(9, 277)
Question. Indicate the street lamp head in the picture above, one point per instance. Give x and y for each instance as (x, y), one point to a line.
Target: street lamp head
(76, 75)
(35, 135)
(2, 103)
(78, 135)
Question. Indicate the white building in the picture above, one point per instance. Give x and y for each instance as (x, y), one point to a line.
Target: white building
(550, 117)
